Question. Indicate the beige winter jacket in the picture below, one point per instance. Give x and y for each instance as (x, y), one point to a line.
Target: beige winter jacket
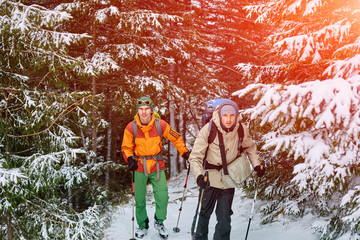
(213, 154)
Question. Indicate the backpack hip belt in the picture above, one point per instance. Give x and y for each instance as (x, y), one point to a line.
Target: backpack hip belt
(158, 157)
(208, 165)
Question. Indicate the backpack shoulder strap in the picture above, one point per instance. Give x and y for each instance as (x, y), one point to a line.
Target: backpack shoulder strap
(135, 129)
(223, 154)
(212, 131)
(158, 127)
(212, 134)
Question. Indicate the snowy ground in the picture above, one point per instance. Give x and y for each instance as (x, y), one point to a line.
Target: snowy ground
(121, 227)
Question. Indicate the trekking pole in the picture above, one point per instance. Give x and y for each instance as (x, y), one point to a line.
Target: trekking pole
(133, 206)
(199, 205)
(252, 209)
(176, 229)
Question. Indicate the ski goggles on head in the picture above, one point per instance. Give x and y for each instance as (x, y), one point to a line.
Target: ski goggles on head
(147, 102)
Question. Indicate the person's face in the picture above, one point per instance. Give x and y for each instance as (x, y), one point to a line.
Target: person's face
(228, 120)
(144, 114)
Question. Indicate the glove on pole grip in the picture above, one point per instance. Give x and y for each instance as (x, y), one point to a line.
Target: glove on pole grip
(206, 176)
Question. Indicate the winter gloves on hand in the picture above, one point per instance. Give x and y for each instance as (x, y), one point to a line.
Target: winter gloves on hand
(260, 169)
(186, 155)
(202, 182)
(132, 163)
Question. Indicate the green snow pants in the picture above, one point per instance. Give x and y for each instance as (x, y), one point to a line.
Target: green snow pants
(160, 191)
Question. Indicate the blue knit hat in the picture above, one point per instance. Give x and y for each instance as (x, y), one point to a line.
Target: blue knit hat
(144, 101)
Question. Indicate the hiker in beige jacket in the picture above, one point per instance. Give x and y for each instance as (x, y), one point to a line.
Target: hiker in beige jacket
(226, 119)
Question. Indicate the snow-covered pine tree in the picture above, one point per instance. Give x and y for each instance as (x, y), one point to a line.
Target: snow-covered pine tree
(225, 25)
(40, 154)
(309, 117)
(152, 49)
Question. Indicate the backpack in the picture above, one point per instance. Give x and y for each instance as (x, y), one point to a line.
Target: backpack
(230, 174)
(209, 109)
(159, 156)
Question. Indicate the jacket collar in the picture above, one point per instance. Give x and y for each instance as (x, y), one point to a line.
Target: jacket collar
(146, 128)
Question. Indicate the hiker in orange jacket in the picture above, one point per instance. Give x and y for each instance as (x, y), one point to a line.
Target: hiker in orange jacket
(142, 150)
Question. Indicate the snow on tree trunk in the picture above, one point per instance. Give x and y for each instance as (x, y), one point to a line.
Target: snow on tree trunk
(172, 149)
(108, 153)
(93, 115)
(70, 202)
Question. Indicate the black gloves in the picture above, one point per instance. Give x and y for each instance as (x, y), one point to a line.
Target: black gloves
(260, 169)
(201, 182)
(132, 162)
(186, 155)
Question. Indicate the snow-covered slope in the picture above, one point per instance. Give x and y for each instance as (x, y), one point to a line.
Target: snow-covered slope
(284, 229)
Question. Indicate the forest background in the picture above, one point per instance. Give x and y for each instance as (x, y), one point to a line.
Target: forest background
(71, 71)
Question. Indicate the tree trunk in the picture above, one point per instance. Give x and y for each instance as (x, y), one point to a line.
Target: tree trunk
(93, 86)
(10, 235)
(70, 202)
(93, 116)
(172, 149)
(109, 149)
(182, 134)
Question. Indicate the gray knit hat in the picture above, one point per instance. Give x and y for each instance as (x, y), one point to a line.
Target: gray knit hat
(228, 107)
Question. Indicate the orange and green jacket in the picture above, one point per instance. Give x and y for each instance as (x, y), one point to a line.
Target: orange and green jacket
(148, 143)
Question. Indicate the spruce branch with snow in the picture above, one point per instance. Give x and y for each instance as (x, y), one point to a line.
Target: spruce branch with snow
(315, 127)
(306, 111)
(42, 158)
(314, 39)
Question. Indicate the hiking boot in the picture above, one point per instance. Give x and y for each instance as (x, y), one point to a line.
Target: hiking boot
(141, 232)
(163, 232)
